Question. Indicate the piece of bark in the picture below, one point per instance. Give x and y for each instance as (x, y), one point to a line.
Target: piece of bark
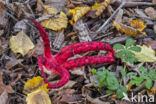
(59, 39)
(83, 31)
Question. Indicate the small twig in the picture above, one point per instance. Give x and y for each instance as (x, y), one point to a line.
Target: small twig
(46, 17)
(132, 4)
(108, 20)
(102, 36)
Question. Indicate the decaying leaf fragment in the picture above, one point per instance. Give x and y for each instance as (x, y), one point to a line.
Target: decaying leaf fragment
(147, 54)
(78, 13)
(3, 87)
(38, 97)
(53, 23)
(128, 30)
(34, 84)
(137, 24)
(21, 43)
(98, 8)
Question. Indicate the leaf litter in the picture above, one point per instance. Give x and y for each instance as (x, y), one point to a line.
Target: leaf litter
(83, 20)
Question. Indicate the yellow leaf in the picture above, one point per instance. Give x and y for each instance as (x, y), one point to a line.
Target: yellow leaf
(98, 8)
(78, 13)
(147, 54)
(128, 30)
(137, 24)
(49, 10)
(38, 97)
(52, 23)
(34, 84)
(21, 43)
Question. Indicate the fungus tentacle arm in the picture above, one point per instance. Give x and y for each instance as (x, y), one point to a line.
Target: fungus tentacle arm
(79, 48)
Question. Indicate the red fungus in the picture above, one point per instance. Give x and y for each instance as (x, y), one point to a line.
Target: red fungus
(60, 64)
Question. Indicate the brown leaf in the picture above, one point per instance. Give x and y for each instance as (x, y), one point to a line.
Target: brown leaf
(39, 6)
(154, 27)
(3, 17)
(3, 87)
(57, 4)
(12, 62)
(151, 12)
(3, 45)
(22, 10)
(98, 8)
(1, 5)
(151, 43)
(66, 96)
(154, 1)
(37, 51)
(4, 97)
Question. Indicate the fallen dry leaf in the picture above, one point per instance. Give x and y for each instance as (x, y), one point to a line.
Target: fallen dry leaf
(147, 54)
(39, 6)
(38, 97)
(53, 23)
(37, 51)
(87, 93)
(98, 8)
(66, 96)
(151, 43)
(21, 43)
(137, 25)
(68, 85)
(12, 62)
(22, 10)
(78, 13)
(3, 45)
(154, 27)
(128, 30)
(154, 1)
(2, 6)
(4, 97)
(3, 87)
(34, 84)
(57, 4)
(151, 12)
(3, 16)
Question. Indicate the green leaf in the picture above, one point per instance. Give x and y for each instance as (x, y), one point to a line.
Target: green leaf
(129, 54)
(129, 42)
(93, 71)
(120, 91)
(135, 48)
(132, 60)
(148, 83)
(143, 70)
(133, 82)
(120, 53)
(123, 73)
(130, 74)
(101, 77)
(112, 82)
(118, 46)
(109, 91)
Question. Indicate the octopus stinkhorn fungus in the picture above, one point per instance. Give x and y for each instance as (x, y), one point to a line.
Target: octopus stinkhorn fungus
(60, 64)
